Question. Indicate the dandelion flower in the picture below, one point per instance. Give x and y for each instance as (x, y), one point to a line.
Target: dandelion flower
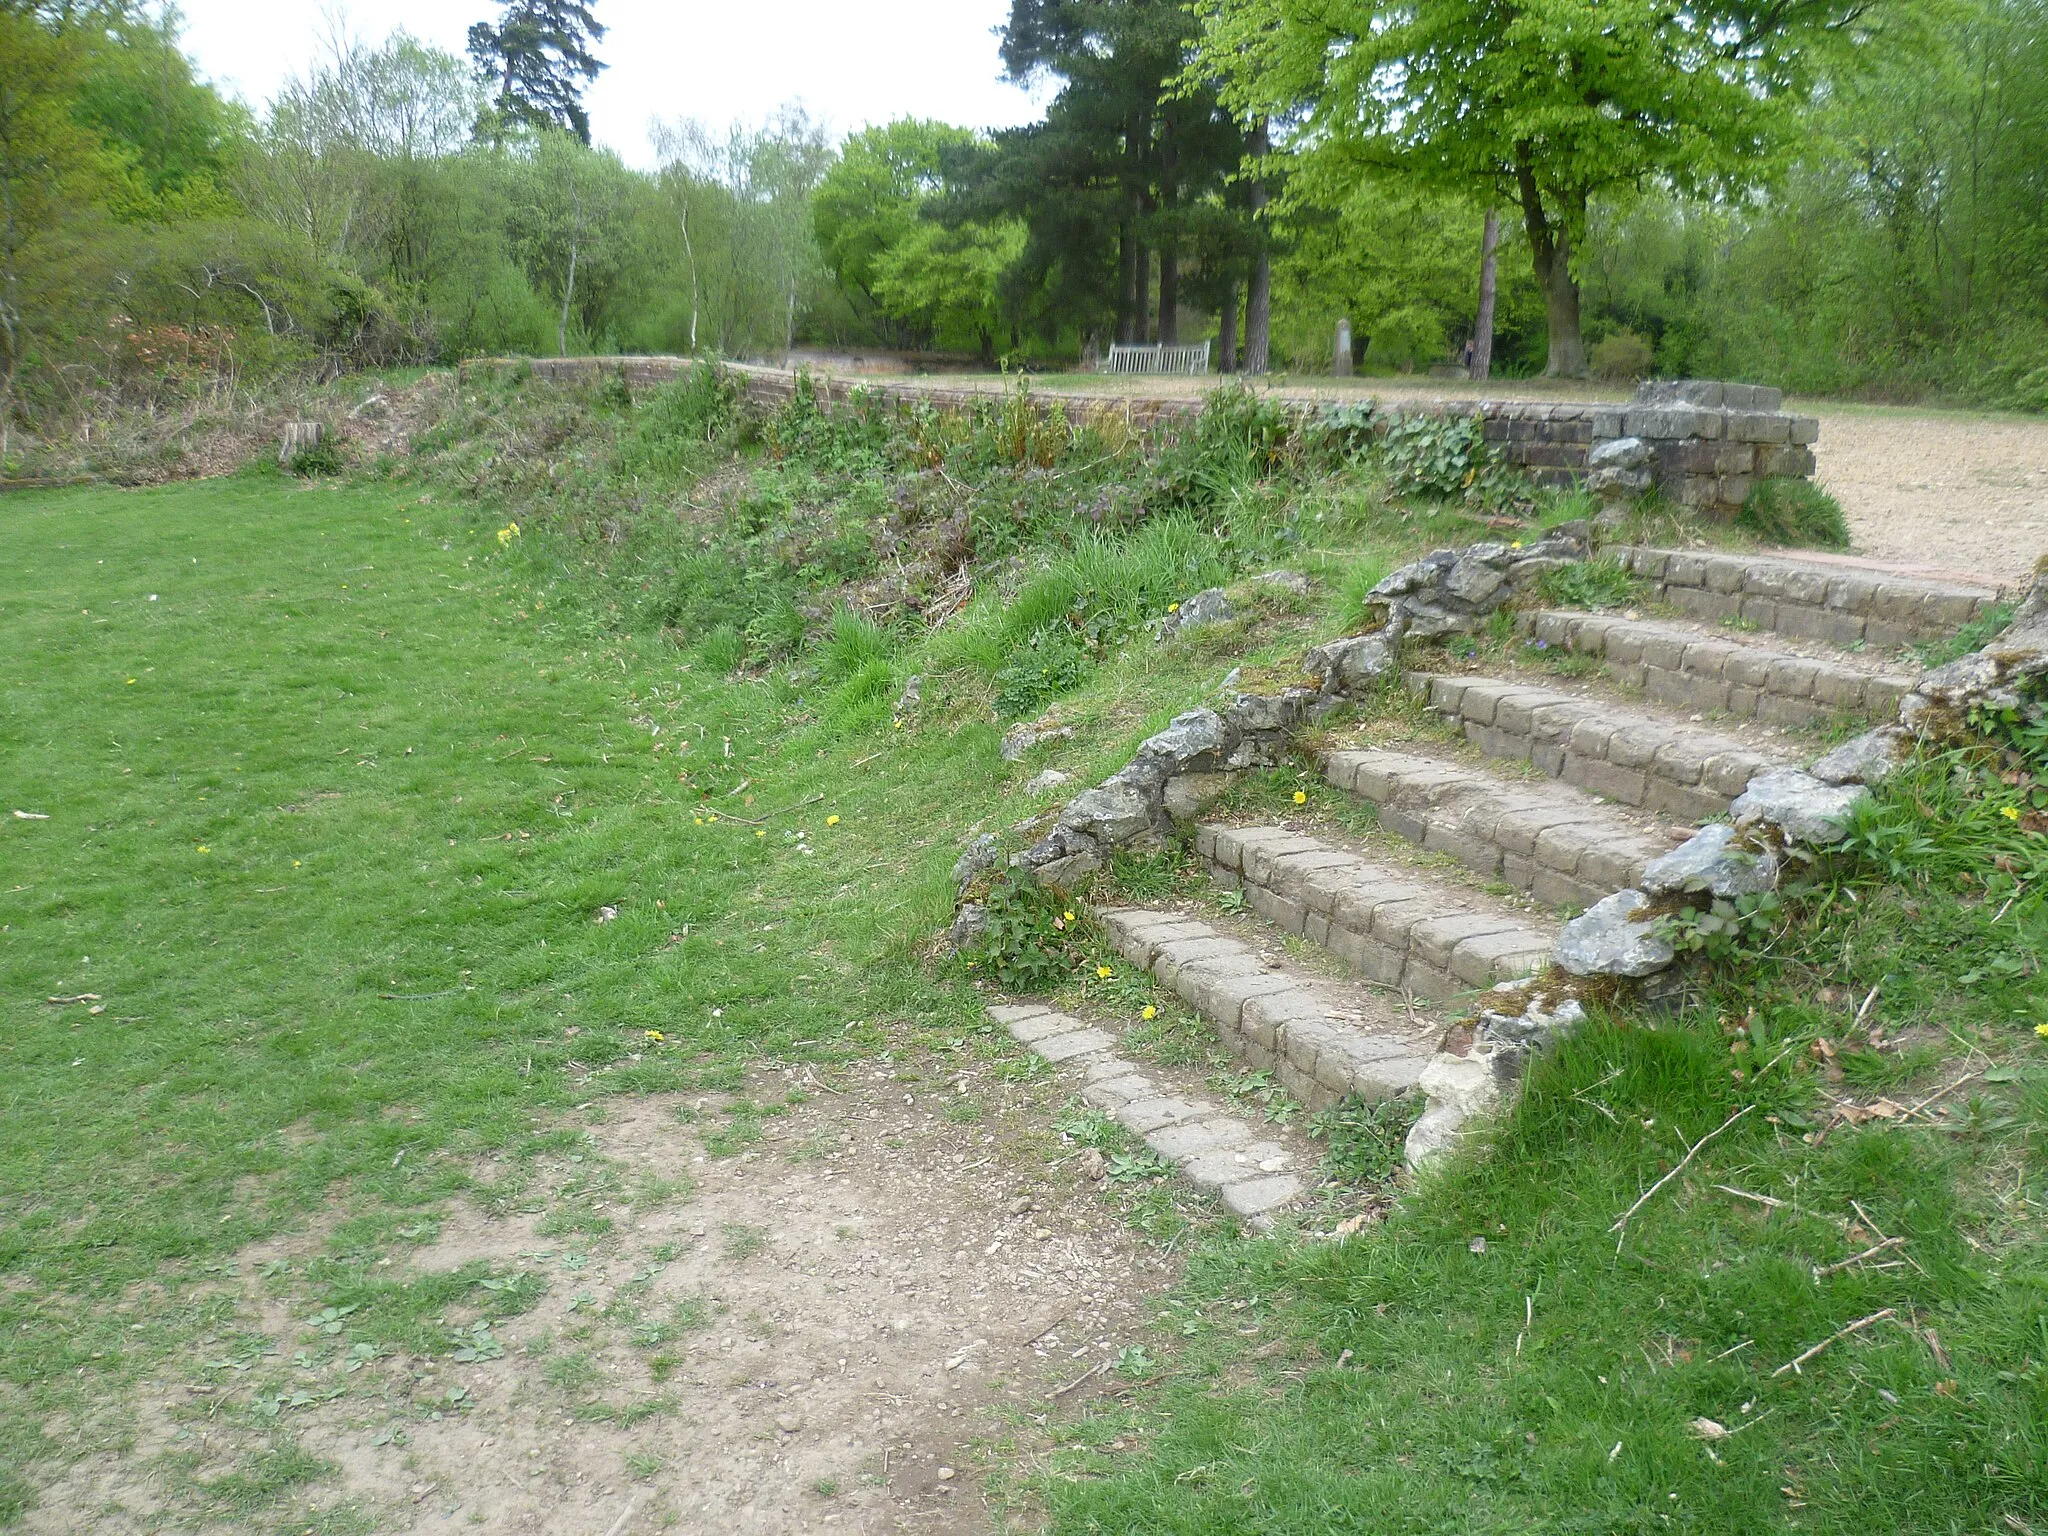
(131, 682)
(1104, 972)
(697, 821)
(1068, 916)
(831, 821)
(2009, 812)
(1149, 1013)
(655, 1035)
(295, 863)
(204, 849)
(1301, 797)
(760, 831)
(2041, 1030)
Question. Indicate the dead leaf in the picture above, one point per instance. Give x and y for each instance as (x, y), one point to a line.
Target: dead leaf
(1706, 1429)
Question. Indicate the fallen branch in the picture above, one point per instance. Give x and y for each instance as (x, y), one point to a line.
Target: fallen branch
(1834, 1338)
(1855, 1258)
(1621, 1222)
(1088, 1375)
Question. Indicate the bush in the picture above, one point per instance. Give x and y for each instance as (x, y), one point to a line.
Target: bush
(1405, 339)
(1604, 583)
(1621, 358)
(1787, 511)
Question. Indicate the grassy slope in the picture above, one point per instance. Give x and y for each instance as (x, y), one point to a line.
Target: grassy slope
(278, 1031)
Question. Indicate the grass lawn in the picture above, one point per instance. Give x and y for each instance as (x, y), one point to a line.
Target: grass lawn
(333, 810)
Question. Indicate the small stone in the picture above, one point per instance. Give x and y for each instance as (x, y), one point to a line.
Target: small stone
(1477, 1245)
(912, 695)
(946, 1474)
(1798, 805)
(1290, 581)
(1092, 1165)
(789, 1424)
(1210, 607)
(1606, 940)
(1353, 664)
(1052, 778)
(1020, 1205)
(1867, 759)
(1020, 739)
(1712, 861)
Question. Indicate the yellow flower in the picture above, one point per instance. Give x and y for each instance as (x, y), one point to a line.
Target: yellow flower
(1150, 1012)
(711, 815)
(295, 863)
(2009, 812)
(131, 682)
(1301, 797)
(2041, 1030)
(697, 821)
(1068, 916)
(1104, 972)
(508, 533)
(655, 1035)
(760, 831)
(831, 821)
(1173, 607)
(204, 849)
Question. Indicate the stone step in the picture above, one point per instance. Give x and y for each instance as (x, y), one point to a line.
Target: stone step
(1393, 925)
(1321, 1039)
(1818, 600)
(1625, 755)
(1689, 670)
(1214, 1148)
(1559, 844)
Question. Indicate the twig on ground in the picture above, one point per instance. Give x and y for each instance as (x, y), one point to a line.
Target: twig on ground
(625, 1514)
(1838, 1335)
(781, 811)
(1731, 1350)
(865, 761)
(1772, 1201)
(818, 1082)
(1863, 1012)
(1943, 1093)
(1621, 1222)
(1088, 1375)
(1872, 1251)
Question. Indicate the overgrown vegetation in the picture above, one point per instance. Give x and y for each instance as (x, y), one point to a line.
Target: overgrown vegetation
(1794, 512)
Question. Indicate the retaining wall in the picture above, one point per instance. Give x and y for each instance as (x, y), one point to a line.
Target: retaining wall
(1710, 442)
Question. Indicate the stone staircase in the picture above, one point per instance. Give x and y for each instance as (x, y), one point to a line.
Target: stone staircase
(1346, 958)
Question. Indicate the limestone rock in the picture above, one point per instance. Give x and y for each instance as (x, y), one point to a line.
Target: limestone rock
(970, 922)
(1474, 580)
(1196, 740)
(1712, 860)
(1289, 581)
(1022, 737)
(1867, 759)
(912, 695)
(980, 855)
(1607, 939)
(1113, 812)
(1209, 607)
(1187, 795)
(1353, 664)
(1620, 453)
(1052, 778)
(1799, 805)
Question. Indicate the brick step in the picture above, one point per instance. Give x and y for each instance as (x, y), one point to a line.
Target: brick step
(1816, 600)
(1216, 1149)
(1322, 1040)
(1559, 844)
(1694, 671)
(1625, 755)
(1391, 924)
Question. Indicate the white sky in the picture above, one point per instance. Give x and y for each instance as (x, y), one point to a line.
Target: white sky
(851, 62)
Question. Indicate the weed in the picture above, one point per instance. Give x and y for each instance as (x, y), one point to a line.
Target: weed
(742, 1241)
(1030, 944)
(1796, 512)
(1364, 1137)
(1597, 583)
(1973, 636)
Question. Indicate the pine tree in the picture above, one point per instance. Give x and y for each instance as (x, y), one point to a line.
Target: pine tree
(539, 58)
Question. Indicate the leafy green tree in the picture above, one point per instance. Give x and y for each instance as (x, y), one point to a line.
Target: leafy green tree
(947, 281)
(539, 57)
(1543, 103)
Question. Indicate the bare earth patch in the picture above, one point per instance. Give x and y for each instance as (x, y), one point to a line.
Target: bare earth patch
(854, 1323)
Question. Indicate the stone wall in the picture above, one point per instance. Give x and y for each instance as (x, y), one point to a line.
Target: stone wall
(1707, 442)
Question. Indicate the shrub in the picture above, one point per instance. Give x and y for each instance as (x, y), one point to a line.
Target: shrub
(1790, 511)
(323, 458)
(1028, 946)
(1405, 339)
(1621, 358)
(1052, 661)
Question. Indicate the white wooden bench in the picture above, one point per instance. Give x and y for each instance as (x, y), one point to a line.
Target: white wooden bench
(1157, 359)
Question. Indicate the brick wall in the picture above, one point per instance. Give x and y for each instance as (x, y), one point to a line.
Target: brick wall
(1711, 442)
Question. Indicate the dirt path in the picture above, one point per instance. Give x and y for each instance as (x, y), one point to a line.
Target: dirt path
(853, 1325)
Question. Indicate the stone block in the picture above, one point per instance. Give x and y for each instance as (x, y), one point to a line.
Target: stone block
(1066, 1047)
(1504, 955)
(1734, 489)
(1683, 802)
(1727, 774)
(1555, 889)
(1838, 688)
(1759, 426)
(1142, 1117)
(1260, 1196)
(1627, 786)
(1805, 429)
(1792, 677)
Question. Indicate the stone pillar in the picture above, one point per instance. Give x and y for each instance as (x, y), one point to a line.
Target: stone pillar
(1340, 349)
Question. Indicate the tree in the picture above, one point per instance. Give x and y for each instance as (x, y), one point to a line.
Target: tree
(566, 225)
(1543, 103)
(539, 57)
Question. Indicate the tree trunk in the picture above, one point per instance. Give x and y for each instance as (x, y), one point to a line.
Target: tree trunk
(1169, 294)
(1127, 279)
(1258, 303)
(1142, 309)
(1550, 247)
(691, 255)
(568, 294)
(1226, 332)
(1489, 281)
